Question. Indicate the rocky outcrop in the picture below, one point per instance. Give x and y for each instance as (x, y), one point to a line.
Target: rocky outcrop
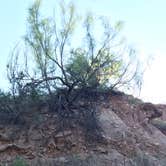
(133, 134)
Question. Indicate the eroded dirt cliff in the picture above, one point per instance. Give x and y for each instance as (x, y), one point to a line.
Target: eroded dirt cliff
(132, 133)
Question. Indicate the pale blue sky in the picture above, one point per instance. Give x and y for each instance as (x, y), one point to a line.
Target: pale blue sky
(144, 28)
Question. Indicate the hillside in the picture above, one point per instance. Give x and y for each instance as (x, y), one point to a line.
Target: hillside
(131, 133)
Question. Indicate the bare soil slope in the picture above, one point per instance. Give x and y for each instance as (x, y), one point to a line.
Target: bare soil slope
(132, 134)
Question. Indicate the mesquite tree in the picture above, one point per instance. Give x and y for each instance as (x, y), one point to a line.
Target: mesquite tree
(67, 53)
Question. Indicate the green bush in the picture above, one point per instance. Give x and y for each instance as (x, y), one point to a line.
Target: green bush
(19, 162)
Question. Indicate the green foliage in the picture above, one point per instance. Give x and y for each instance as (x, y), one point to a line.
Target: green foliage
(19, 162)
(79, 69)
(59, 62)
(5, 102)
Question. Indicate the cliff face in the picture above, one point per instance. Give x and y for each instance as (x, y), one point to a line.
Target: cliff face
(132, 133)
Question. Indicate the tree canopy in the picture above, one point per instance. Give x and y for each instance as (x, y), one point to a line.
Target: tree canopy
(71, 53)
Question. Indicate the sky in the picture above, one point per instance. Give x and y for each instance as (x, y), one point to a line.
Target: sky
(144, 28)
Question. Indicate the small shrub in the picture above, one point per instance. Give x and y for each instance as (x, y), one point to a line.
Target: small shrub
(5, 101)
(19, 162)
